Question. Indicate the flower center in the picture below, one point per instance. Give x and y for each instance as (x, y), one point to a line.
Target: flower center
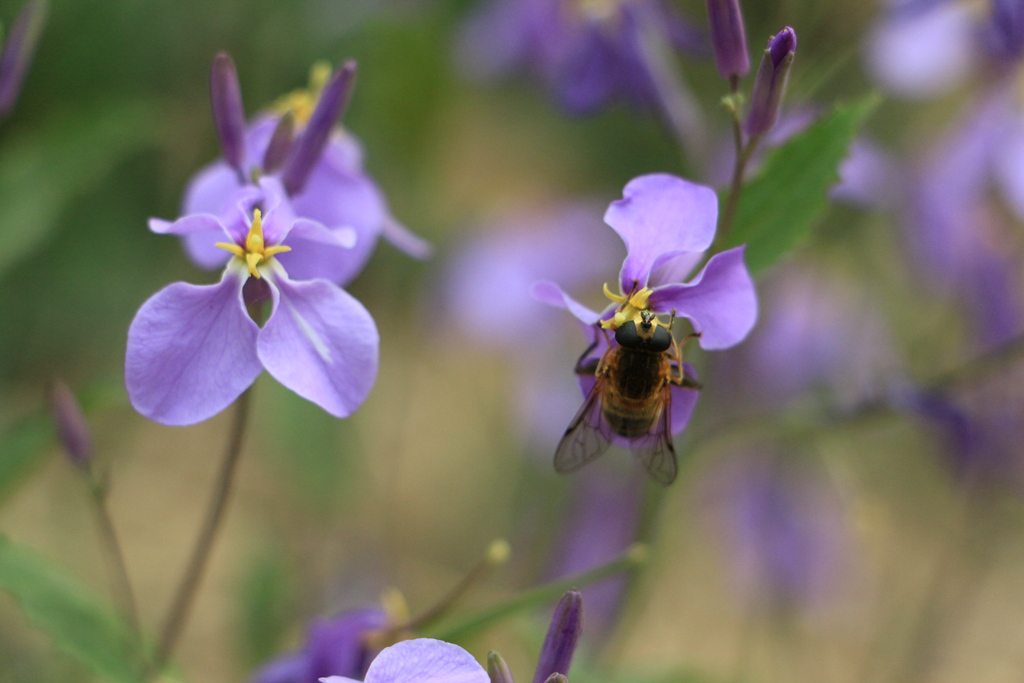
(254, 252)
(302, 102)
(630, 307)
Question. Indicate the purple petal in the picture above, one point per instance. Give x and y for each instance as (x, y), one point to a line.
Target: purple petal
(310, 146)
(191, 351)
(320, 343)
(201, 232)
(338, 646)
(563, 634)
(721, 302)
(18, 50)
(425, 660)
(551, 294)
(923, 53)
(405, 240)
(659, 216)
(185, 225)
(317, 253)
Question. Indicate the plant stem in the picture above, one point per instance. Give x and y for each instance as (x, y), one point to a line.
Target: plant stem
(121, 585)
(743, 154)
(634, 556)
(183, 599)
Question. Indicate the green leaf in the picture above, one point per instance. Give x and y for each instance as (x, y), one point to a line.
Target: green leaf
(778, 208)
(79, 623)
(66, 156)
(21, 449)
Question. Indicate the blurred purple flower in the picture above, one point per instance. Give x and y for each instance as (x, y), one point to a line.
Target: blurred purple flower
(586, 51)
(783, 527)
(18, 50)
(334, 647)
(818, 331)
(924, 48)
(957, 238)
(192, 350)
(320, 166)
(422, 660)
(488, 288)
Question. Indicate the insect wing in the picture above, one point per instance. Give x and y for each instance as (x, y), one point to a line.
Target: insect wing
(587, 437)
(654, 449)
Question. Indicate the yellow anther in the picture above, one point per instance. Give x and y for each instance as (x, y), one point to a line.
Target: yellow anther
(629, 308)
(254, 252)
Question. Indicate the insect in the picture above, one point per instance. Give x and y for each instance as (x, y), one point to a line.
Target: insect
(631, 397)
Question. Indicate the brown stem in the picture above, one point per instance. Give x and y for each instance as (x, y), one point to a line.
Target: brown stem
(185, 596)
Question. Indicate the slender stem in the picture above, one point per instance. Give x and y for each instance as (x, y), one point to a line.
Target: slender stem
(183, 599)
(634, 557)
(121, 585)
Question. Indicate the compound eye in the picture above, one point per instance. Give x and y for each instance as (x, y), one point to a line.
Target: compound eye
(626, 335)
(661, 340)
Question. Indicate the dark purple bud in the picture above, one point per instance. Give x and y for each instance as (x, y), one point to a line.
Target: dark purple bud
(563, 634)
(770, 83)
(72, 428)
(228, 114)
(280, 143)
(728, 38)
(19, 48)
(497, 669)
(307, 149)
(557, 678)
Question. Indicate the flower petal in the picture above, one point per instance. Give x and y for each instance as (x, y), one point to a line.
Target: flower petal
(659, 216)
(721, 302)
(551, 294)
(404, 239)
(425, 660)
(317, 253)
(320, 343)
(191, 351)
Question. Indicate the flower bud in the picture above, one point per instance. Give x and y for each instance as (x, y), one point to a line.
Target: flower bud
(309, 147)
(228, 114)
(1006, 33)
(497, 669)
(770, 83)
(72, 427)
(563, 634)
(280, 143)
(728, 38)
(557, 678)
(18, 50)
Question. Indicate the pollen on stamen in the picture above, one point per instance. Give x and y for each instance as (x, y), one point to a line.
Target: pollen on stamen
(254, 252)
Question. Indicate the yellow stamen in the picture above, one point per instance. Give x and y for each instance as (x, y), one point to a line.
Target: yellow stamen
(629, 308)
(254, 252)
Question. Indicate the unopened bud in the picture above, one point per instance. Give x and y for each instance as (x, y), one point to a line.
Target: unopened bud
(18, 50)
(72, 428)
(497, 669)
(770, 83)
(309, 147)
(563, 634)
(728, 38)
(280, 143)
(228, 114)
(557, 678)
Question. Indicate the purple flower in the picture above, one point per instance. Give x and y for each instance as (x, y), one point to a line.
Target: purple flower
(334, 647)
(192, 350)
(587, 52)
(667, 224)
(784, 529)
(422, 660)
(563, 635)
(18, 50)
(320, 166)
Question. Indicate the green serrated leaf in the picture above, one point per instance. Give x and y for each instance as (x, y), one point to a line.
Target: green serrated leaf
(780, 206)
(65, 157)
(79, 623)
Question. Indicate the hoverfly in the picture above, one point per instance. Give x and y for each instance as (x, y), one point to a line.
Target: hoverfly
(631, 397)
